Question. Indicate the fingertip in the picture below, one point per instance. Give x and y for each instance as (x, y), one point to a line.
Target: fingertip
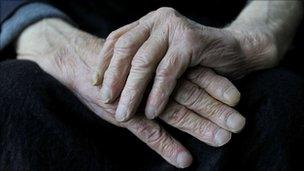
(106, 94)
(236, 122)
(184, 159)
(150, 112)
(221, 137)
(232, 96)
(96, 80)
(121, 113)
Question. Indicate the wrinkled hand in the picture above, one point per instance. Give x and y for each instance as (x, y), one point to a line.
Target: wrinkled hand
(166, 43)
(70, 56)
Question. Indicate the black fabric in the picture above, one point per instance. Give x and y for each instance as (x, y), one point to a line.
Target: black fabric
(44, 126)
(100, 17)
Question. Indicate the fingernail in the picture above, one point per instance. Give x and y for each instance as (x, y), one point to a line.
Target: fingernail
(232, 96)
(150, 112)
(105, 94)
(222, 137)
(121, 113)
(235, 122)
(96, 80)
(184, 159)
(153, 110)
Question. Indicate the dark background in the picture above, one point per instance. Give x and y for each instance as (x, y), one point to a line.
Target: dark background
(100, 18)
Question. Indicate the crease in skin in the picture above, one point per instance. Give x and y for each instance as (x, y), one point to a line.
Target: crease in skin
(112, 38)
(220, 65)
(121, 62)
(80, 74)
(214, 84)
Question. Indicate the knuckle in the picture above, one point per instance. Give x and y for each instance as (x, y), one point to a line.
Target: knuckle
(169, 15)
(171, 66)
(151, 134)
(177, 117)
(194, 101)
(168, 147)
(201, 75)
(190, 36)
(188, 94)
(164, 72)
(124, 45)
(142, 61)
(145, 19)
(113, 35)
(112, 72)
(216, 83)
(166, 10)
(211, 108)
(137, 77)
(221, 109)
(206, 129)
(129, 95)
(191, 124)
(130, 100)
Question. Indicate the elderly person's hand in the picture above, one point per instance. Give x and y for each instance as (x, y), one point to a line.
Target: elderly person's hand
(166, 43)
(70, 56)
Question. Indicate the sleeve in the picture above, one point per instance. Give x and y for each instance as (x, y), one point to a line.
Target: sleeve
(17, 16)
(8, 7)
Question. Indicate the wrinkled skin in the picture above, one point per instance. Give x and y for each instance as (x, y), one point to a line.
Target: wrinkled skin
(166, 43)
(70, 56)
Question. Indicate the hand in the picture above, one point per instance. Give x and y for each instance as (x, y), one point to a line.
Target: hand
(207, 94)
(167, 43)
(69, 55)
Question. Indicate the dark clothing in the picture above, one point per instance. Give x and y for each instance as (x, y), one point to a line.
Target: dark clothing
(121, 12)
(43, 126)
(9, 7)
(41, 130)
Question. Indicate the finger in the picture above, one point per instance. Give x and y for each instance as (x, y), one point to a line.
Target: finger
(124, 51)
(186, 120)
(217, 86)
(169, 70)
(199, 101)
(160, 141)
(107, 51)
(142, 68)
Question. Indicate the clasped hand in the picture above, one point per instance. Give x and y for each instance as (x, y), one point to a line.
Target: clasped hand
(180, 56)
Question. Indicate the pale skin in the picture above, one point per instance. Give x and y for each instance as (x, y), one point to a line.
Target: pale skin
(70, 56)
(165, 43)
(202, 102)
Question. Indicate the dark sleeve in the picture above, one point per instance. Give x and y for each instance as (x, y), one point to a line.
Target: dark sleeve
(9, 7)
(21, 14)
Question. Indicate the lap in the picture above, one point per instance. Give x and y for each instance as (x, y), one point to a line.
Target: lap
(272, 102)
(43, 125)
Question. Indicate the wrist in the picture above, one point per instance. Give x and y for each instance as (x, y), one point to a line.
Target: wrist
(44, 36)
(258, 44)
